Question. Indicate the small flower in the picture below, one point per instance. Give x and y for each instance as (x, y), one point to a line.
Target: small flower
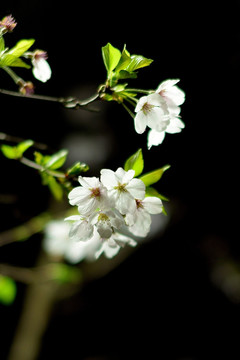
(140, 221)
(41, 68)
(123, 188)
(106, 222)
(81, 228)
(7, 24)
(173, 97)
(171, 93)
(111, 246)
(26, 87)
(152, 112)
(90, 196)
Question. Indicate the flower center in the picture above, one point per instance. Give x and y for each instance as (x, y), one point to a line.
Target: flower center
(103, 217)
(146, 108)
(139, 204)
(121, 187)
(95, 192)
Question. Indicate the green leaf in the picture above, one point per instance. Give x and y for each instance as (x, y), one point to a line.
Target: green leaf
(150, 191)
(9, 151)
(21, 47)
(135, 162)
(11, 60)
(125, 59)
(153, 176)
(23, 146)
(111, 57)
(8, 290)
(137, 62)
(16, 152)
(56, 160)
(41, 159)
(124, 74)
(77, 169)
(55, 188)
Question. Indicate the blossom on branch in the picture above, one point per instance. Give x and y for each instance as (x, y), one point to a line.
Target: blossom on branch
(160, 112)
(41, 68)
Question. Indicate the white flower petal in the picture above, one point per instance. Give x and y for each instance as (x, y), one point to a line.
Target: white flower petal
(152, 205)
(140, 122)
(78, 195)
(155, 138)
(108, 178)
(137, 188)
(89, 182)
(142, 223)
(41, 70)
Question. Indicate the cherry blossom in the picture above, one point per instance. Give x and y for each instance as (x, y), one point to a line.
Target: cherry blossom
(41, 68)
(89, 196)
(140, 221)
(152, 112)
(123, 188)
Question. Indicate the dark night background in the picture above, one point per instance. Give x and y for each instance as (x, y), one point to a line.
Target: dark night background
(161, 302)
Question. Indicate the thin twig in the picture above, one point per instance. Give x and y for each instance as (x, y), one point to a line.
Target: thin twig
(68, 102)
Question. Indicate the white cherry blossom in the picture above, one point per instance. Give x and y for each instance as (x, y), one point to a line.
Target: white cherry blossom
(41, 68)
(123, 188)
(81, 228)
(89, 196)
(140, 221)
(106, 222)
(110, 247)
(171, 93)
(151, 111)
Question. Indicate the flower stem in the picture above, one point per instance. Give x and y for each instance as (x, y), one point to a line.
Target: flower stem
(128, 110)
(139, 91)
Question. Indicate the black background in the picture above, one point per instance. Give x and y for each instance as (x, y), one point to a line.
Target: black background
(161, 302)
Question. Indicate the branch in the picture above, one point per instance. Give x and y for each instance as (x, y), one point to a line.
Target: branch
(68, 102)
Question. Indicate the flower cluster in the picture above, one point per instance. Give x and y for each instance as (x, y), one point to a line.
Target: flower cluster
(109, 208)
(160, 112)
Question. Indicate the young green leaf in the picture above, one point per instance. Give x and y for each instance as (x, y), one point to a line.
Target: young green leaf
(55, 188)
(125, 59)
(23, 146)
(56, 160)
(153, 176)
(10, 60)
(8, 290)
(9, 151)
(150, 191)
(135, 162)
(21, 47)
(137, 62)
(16, 152)
(77, 168)
(111, 57)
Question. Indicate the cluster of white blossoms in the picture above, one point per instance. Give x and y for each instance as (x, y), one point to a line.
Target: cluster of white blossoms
(109, 208)
(160, 111)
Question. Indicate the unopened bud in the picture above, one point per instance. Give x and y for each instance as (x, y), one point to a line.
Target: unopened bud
(7, 24)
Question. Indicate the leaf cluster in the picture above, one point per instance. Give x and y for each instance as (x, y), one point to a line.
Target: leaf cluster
(121, 65)
(12, 57)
